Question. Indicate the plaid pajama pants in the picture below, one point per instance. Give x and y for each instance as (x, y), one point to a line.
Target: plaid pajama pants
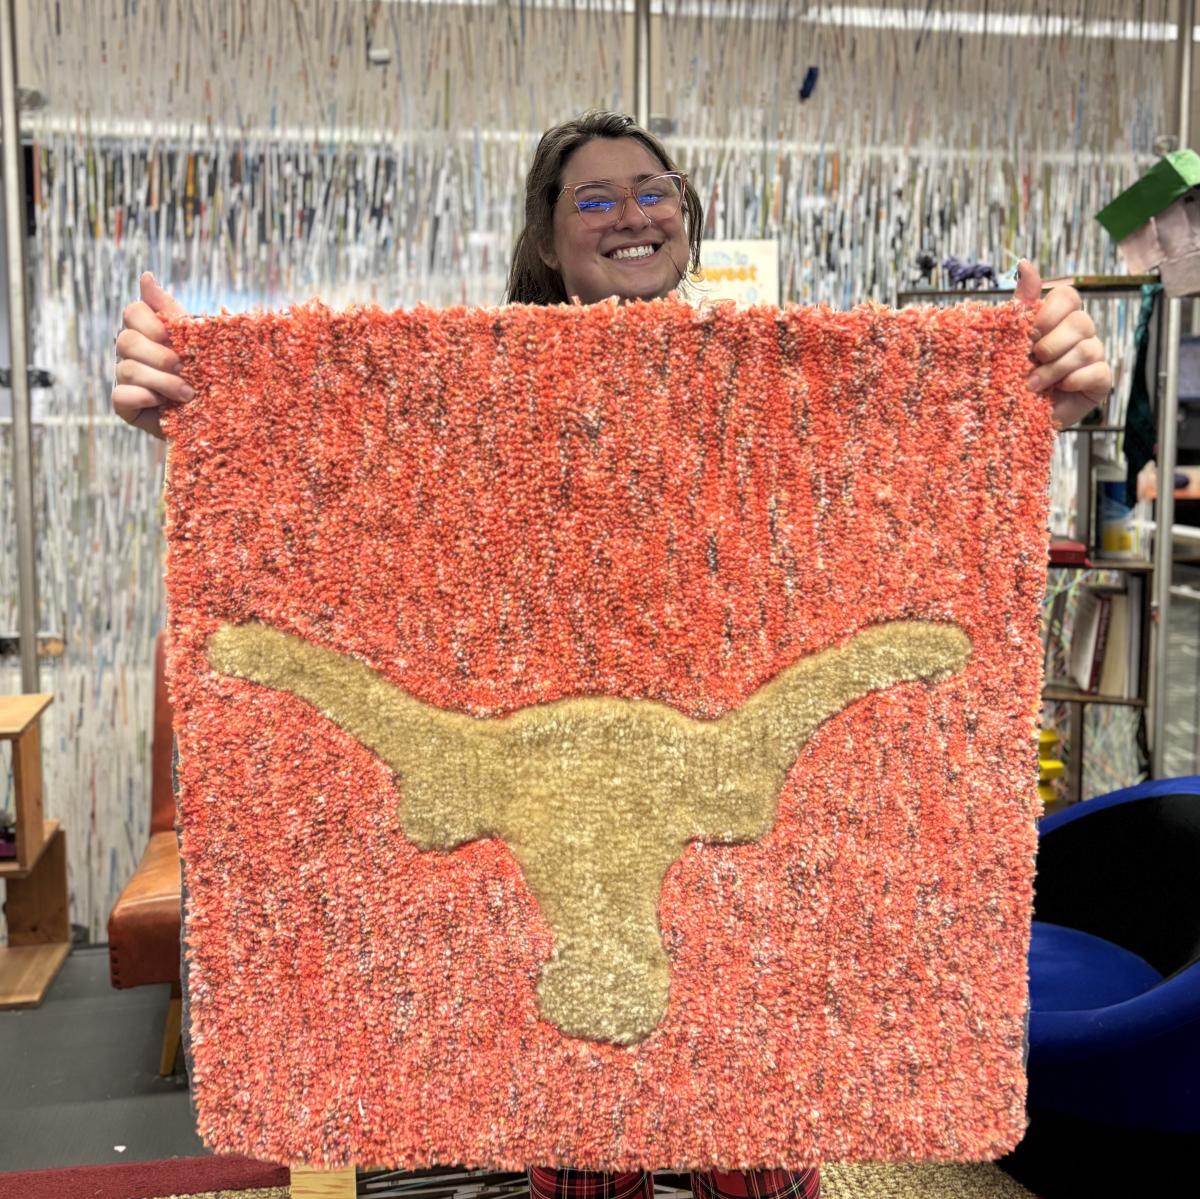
(545, 1183)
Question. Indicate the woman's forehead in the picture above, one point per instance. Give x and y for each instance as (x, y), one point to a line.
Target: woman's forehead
(619, 159)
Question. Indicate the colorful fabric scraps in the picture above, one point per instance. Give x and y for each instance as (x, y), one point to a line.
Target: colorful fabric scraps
(607, 734)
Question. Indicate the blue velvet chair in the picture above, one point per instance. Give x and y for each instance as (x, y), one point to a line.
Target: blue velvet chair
(1114, 967)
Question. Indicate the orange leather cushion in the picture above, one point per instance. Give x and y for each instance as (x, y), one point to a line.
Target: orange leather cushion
(162, 788)
(143, 929)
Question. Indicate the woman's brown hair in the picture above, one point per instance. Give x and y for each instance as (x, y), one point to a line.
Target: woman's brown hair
(530, 280)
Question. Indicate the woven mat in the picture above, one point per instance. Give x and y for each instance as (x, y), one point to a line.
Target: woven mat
(607, 734)
(980, 1180)
(256, 1193)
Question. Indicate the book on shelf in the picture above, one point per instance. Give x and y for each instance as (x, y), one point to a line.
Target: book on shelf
(1134, 592)
(1053, 639)
(1089, 637)
(1114, 667)
(1068, 553)
(1105, 650)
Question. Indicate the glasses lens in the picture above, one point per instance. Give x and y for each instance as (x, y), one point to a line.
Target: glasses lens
(599, 203)
(660, 196)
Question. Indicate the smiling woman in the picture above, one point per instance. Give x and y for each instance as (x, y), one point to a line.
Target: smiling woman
(607, 213)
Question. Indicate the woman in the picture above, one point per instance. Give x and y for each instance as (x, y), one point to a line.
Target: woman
(607, 213)
(580, 244)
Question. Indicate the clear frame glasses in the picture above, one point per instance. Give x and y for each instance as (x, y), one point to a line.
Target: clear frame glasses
(601, 203)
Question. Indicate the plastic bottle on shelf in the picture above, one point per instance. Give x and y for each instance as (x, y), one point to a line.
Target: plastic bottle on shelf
(1113, 532)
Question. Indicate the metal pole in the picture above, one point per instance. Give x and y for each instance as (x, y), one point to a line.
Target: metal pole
(12, 163)
(1167, 418)
(641, 62)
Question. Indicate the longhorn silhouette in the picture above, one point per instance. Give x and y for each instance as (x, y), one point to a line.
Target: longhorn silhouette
(595, 796)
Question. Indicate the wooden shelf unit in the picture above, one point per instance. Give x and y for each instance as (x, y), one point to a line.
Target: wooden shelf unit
(39, 928)
(10, 868)
(1096, 287)
(1060, 693)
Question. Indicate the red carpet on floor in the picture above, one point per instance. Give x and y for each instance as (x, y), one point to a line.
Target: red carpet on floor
(144, 1180)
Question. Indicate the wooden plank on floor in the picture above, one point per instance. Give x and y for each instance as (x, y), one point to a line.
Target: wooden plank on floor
(323, 1184)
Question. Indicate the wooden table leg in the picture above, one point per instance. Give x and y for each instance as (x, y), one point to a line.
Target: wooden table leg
(171, 1032)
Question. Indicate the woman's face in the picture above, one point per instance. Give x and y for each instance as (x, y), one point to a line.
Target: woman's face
(584, 256)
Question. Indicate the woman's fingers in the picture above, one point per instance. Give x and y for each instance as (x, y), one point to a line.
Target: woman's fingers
(1080, 392)
(1068, 410)
(1057, 304)
(1029, 282)
(141, 318)
(139, 407)
(149, 420)
(146, 314)
(1074, 328)
(165, 384)
(1092, 382)
(139, 347)
(1084, 353)
(147, 376)
(157, 299)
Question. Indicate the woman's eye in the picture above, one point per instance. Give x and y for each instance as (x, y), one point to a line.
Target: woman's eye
(596, 192)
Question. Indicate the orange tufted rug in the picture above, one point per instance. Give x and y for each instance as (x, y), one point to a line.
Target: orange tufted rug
(607, 734)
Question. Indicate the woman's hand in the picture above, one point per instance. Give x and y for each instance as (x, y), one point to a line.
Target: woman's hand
(147, 375)
(1073, 372)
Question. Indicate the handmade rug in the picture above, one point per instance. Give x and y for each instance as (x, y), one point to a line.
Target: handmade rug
(607, 733)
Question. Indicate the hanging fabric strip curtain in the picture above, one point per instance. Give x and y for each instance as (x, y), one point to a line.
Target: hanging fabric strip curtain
(606, 733)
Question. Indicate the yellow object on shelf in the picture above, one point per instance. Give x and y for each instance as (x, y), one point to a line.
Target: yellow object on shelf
(1049, 769)
(1047, 793)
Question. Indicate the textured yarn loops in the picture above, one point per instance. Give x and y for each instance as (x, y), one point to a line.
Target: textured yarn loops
(606, 733)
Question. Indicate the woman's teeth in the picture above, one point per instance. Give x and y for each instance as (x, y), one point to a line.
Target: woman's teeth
(634, 252)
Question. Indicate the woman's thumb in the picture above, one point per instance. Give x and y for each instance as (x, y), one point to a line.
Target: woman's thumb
(157, 298)
(1029, 283)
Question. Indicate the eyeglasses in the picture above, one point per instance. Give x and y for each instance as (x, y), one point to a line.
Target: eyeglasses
(601, 203)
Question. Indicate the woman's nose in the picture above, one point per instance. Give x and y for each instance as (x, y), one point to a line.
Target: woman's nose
(631, 215)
